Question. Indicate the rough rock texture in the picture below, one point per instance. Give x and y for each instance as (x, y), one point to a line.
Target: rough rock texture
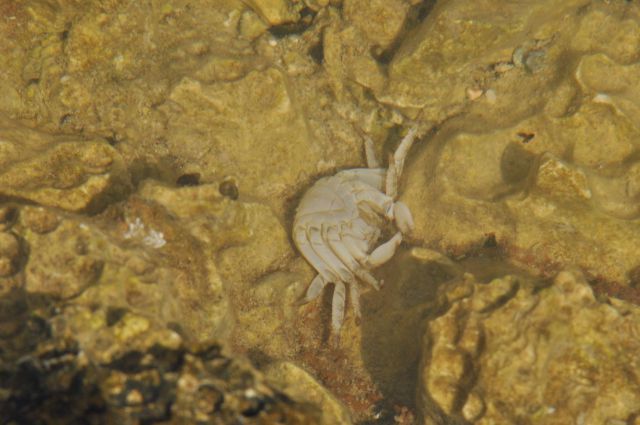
(152, 155)
(221, 130)
(276, 12)
(73, 175)
(298, 384)
(548, 110)
(130, 372)
(513, 351)
(133, 256)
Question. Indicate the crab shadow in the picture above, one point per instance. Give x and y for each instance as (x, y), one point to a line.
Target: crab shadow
(394, 322)
(395, 319)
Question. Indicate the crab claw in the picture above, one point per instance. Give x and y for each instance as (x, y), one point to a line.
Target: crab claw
(403, 217)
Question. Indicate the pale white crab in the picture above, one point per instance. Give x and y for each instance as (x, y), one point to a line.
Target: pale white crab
(338, 222)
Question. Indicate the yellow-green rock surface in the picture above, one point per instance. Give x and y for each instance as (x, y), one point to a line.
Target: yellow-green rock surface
(562, 354)
(152, 155)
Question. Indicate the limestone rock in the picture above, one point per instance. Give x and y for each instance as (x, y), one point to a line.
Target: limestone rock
(381, 21)
(251, 26)
(600, 136)
(604, 31)
(245, 128)
(347, 55)
(231, 230)
(549, 352)
(106, 74)
(555, 178)
(129, 371)
(134, 256)
(11, 254)
(211, 218)
(617, 89)
(483, 183)
(302, 387)
(73, 175)
(67, 271)
(275, 12)
(221, 114)
(430, 75)
(268, 248)
(39, 219)
(8, 215)
(546, 180)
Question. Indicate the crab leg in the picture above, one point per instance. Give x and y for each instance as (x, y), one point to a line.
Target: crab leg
(337, 306)
(378, 201)
(304, 245)
(328, 257)
(336, 242)
(384, 252)
(315, 289)
(370, 153)
(396, 163)
(333, 237)
(354, 292)
(402, 216)
(352, 245)
(384, 205)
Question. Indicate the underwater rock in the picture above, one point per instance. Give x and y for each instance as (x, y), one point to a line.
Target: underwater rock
(609, 31)
(103, 70)
(11, 254)
(39, 219)
(73, 175)
(618, 89)
(252, 128)
(268, 247)
(430, 75)
(347, 56)
(551, 179)
(601, 137)
(276, 12)
(544, 212)
(251, 26)
(8, 214)
(515, 348)
(232, 230)
(221, 114)
(74, 265)
(302, 387)
(479, 183)
(134, 255)
(557, 179)
(210, 217)
(150, 375)
(381, 21)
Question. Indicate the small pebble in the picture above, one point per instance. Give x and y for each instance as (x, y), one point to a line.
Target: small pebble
(39, 220)
(134, 397)
(491, 96)
(473, 93)
(9, 254)
(7, 217)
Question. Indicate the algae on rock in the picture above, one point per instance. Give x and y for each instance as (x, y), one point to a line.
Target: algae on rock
(151, 156)
(73, 175)
(549, 352)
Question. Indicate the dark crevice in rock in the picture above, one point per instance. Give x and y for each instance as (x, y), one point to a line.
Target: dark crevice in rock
(294, 28)
(415, 16)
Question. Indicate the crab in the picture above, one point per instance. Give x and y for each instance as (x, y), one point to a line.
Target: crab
(339, 221)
